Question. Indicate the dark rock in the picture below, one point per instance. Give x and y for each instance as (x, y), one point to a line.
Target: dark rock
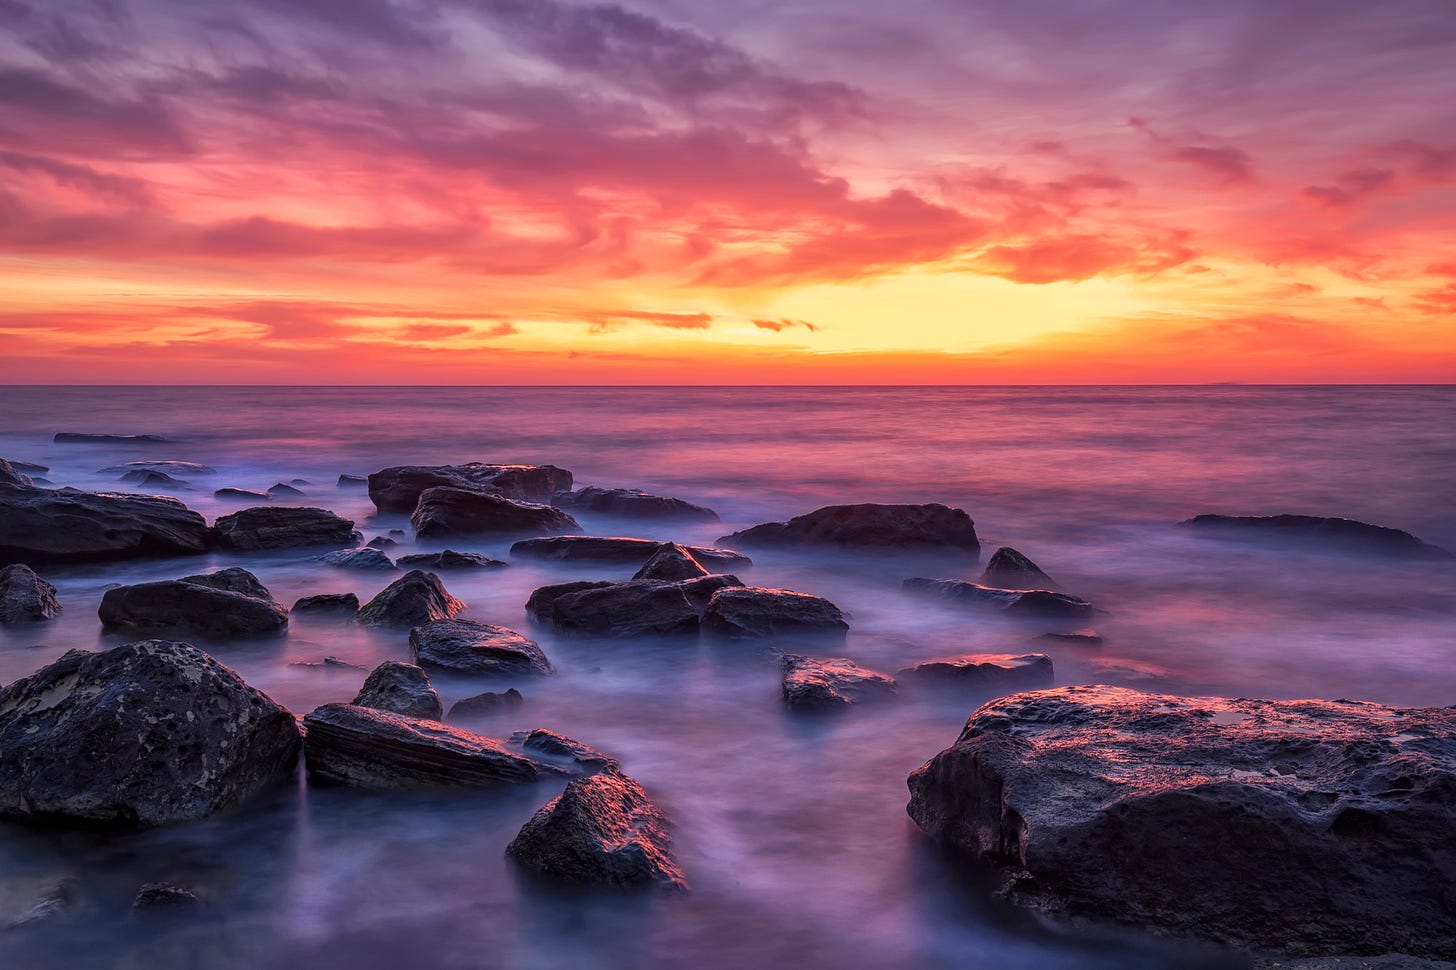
(161, 896)
(26, 467)
(381, 542)
(1029, 603)
(603, 829)
(751, 612)
(984, 671)
(70, 437)
(634, 503)
(542, 604)
(400, 688)
(58, 899)
(699, 592)
(831, 682)
(1086, 638)
(485, 704)
(448, 511)
(11, 475)
(25, 597)
(151, 479)
(365, 558)
(242, 495)
(281, 528)
(328, 663)
(1308, 827)
(285, 491)
(65, 525)
(352, 481)
(449, 559)
(1318, 531)
(399, 489)
(233, 578)
(299, 481)
(364, 748)
(471, 647)
(671, 563)
(183, 606)
(560, 750)
(345, 604)
(616, 609)
(925, 526)
(616, 549)
(415, 598)
(145, 733)
(168, 466)
(1009, 569)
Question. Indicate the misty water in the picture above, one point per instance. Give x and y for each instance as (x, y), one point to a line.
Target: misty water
(790, 828)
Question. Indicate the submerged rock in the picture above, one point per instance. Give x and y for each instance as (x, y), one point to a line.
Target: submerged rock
(400, 688)
(25, 597)
(198, 605)
(72, 437)
(146, 733)
(285, 491)
(911, 526)
(1308, 827)
(167, 465)
(558, 749)
(602, 829)
(241, 495)
(65, 525)
(415, 598)
(634, 503)
(670, 563)
(153, 479)
(984, 671)
(337, 604)
(831, 682)
(1317, 530)
(616, 549)
(449, 559)
(1029, 603)
(1009, 569)
(399, 489)
(160, 896)
(363, 558)
(751, 612)
(282, 528)
(471, 647)
(481, 705)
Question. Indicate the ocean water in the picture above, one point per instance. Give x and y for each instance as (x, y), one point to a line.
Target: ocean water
(791, 829)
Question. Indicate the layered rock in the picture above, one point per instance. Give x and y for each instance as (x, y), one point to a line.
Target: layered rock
(415, 598)
(471, 647)
(40, 525)
(449, 511)
(25, 597)
(283, 528)
(751, 612)
(616, 549)
(1009, 569)
(449, 559)
(229, 606)
(1317, 530)
(400, 688)
(633, 503)
(818, 683)
(398, 489)
(931, 526)
(984, 672)
(1026, 603)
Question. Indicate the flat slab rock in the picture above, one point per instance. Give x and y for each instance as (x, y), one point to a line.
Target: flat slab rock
(1308, 827)
(1025, 603)
(451, 511)
(869, 524)
(753, 612)
(267, 527)
(620, 549)
(415, 598)
(831, 682)
(45, 525)
(1317, 530)
(993, 671)
(230, 603)
(472, 647)
(398, 489)
(25, 597)
(633, 503)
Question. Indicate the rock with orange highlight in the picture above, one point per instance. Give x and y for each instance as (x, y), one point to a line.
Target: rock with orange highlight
(398, 489)
(450, 511)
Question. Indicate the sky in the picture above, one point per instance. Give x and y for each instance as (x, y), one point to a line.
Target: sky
(696, 192)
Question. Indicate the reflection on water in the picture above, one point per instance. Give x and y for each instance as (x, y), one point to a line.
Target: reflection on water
(791, 829)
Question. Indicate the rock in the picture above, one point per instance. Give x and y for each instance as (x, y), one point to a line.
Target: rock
(364, 748)
(160, 896)
(633, 503)
(400, 688)
(448, 511)
(160, 465)
(603, 829)
(925, 526)
(1028, 603)
(150, 479)
(541, 606)
(1085, 638)
(56, 900)
(381, 542)
(363, 558)
(25, 597)
(70, 437)
(242, 495)
(26, 467)
(642, 608)
(352, 481)
(415, 598)
(1009, 569)
(984, 671)
(670, 563)
(481, 705)
(449, 559)
(285, 491)
(192, 606)
(699, 592)
(751, 612)
(615, 549)
(328, 604)
(560, 750)
(234, 578)
(145, 733)
(328, 663)
(1319, 531)
(471, 647)
(10, 475)
(833, 682)
(65, 525)
(1308, 827)
(281, 528)
(399, 489)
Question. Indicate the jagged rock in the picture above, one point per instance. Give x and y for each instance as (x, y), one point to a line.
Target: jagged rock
(364, 748)
(400, 688)
(209, 606)
(557, 749)
(449, 559)
(399, 489)
(700, 591)
(634, 503)
(242, 495)
(602, 829)
(751, 612)
(72, 437)
(470, 647)
(1307, 827)
(281, 528)
(25, 597)
(343, 604)
(615, 549)
(364, 558)
(1009, 569)
(1319, 531)
(145, 733)
(671, 563)
(481, 705)
(415, 598)
(984, 671)
(158, 896)
(1029, 603)
(11, 475)
(833, 682)
(924, 526)
(449, 511)
(285, 491)
(66, 525)
(160, 465)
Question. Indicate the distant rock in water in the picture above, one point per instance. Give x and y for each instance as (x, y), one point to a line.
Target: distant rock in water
(1009, 569)
(167, 465)
(24, 467)
(617, 549)
(670, 563)
(449, 559)
(40, 525)
(242, 495)
(449, 511)
(25, 597)
(1300, 827)
(483, 705)
(1080, 638)
(398, 489)
(153, 479)
(71, 438)
(352, 481)
(285, 491)
(1029, 603)
(751, 612)
(815, 683)
(328, 604)
(381, 542)
(415, 598)
(1314, 530)
(557, 749)
(633, 503)
(604, 830)
(159, 896)
(194, 606)
(283, 528)
(400, 688)
(930, 526)
(984, 671)
(472, 647)
(146, 733)
(365, 558)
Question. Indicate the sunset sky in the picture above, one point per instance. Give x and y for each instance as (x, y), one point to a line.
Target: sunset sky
(684, 191)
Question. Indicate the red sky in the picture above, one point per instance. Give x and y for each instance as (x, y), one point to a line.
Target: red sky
(539, 191)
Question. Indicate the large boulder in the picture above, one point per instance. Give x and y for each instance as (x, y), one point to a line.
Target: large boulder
(241, 495)
(364, 748)
(1309, 827)
(818, 683)
(1009, 569)
(604, 830)
(415, 598)
(671, 563)
(471, 647)
(400, 688)
(25, 597)
(65, 525)
(931, 526)
(617, 549)
(751, 612)
(633, 608)
(449, 559)
(234, 579)
(1317, 531)
(1025, 603)
(194, 606)
(449, 511)
(633, 503)
(984, 672)
(399, 489)
(266, 527)
(10, 475)
(145, 733)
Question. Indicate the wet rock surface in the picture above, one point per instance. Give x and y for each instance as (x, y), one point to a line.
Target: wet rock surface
(398, 489)
(365, 558)
(25, 597)
(1309, 827)
(751, 612)
(42, 525)
(632, 608)
(617, 549)
(1318, 531)
(560, 750)
(633, 503)
(485, 705)
(1009, 569)
(1024, 603)
(983, 671)
(327, 604)
(218, 606)
(670, 563)
(471, 647)
(400, 688)
(831, 682)
(449, 559)
(450, 511)
(911, 526)
(415, 598)
(283, 528)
